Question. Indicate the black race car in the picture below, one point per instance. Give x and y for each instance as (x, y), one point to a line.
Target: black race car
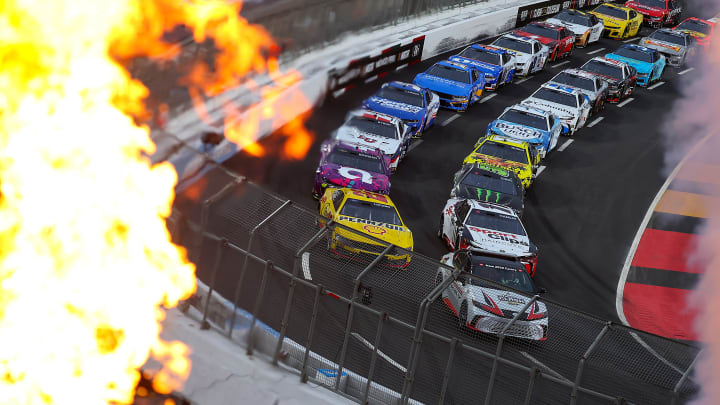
(489, 184)
(620, 77)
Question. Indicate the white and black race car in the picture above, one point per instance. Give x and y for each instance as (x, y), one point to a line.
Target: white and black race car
(569, 104)
(586, 27)
(530, 54)
(591, 85)
(482, 299)
(488, 229)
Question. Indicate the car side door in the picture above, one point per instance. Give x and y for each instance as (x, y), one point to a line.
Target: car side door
(508, 66)
(332, 209)
(461, 261)
(478, 80)
(597, 28)
(568, 38)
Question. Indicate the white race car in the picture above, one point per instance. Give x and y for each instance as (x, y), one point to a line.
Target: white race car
(369, 129)
(487, 229)
(586, 27)
(569, 104)
(530, 54)
(592, 86)
(481, 299)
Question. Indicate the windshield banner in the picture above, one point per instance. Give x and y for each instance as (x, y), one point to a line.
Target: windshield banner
(547, 9)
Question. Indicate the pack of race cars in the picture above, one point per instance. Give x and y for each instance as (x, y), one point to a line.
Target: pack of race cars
(481, 221)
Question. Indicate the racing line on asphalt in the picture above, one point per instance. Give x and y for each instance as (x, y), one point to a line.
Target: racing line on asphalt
(656, 85)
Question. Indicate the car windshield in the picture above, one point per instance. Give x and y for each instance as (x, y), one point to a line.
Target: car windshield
(525, 118)
(665, 36)
(541, 31)
(358, 160)
(375, 127)
(612, 12)
(401, 96)
(695, 25)
(485, 184)
(495, 221)
(508, 276)
(573, 18)
(556, 96)
(450, 73)
(481, 55)
(580, 82)
(604, 69)
(652, 3)
(634, 54)
(514, 44)
(503, 151)
(385, 214)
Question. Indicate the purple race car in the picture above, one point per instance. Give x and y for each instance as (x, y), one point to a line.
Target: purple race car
(353, 166)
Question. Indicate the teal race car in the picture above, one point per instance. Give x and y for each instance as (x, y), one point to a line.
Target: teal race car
(648, 62)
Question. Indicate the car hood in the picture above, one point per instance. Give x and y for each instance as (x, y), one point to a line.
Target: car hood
(520, 57)
(647, 10)
(482, 66)
(398, 235)
(561, 111)
(592, 95)
(518, 131)
(544, 40)
(344, 176)
(696, 34)
(352, 136)
(507, 301)
(640, 66)
(489, 160)
(609, 79)
(662, 46)
(483, 194)
(442, 85)
(576, 29)
(498, 242)
(609, 19)
(394, 108)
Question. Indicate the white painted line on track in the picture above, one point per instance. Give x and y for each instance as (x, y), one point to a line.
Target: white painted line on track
(486, 98)
(565, 145)
(415, 144)
(626, 102)
(306, 265)
(449, 120)
(686, 71)
(381, 354)
(540, 170)
(631, 40)
(595, 122)
(545, 368)
(656, 85)
(560, 64)
(523, 80)
(596, 51)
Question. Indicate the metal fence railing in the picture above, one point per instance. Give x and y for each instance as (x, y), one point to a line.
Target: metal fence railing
(271, 258)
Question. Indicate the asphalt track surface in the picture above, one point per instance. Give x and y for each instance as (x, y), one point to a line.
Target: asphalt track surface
(582, 211)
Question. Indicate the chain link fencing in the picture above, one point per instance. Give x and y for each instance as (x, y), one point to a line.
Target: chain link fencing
(336, 315)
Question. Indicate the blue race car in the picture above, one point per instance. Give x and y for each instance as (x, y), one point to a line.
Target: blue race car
(649, 63)
(537, 127)
(497, 64)
(416, 106)
(456, 84)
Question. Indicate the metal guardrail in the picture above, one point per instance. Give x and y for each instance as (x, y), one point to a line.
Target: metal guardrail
(390, 325)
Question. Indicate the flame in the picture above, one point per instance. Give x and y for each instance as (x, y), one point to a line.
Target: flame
(86, 260)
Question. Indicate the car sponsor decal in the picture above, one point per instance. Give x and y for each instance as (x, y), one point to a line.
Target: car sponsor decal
(367, 138)
(375, 230)
(511, 299)
(517, 131)
(354, 174)
(395, 105)
(493, 169)
(649, 42)
(496, 161)
(500, 236)
(369, 222)
(370, 196)
(554, 106)
(488, 195)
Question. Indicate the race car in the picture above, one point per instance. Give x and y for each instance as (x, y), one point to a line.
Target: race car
(557, 38)
(530, 54)
(417, 107)
(488, 229)
(701, 30)
(367, 213)
(620, 22)
(519, 157)
(567, 104)
(370, 129)
(657, 13)
(350, 166)
(497, 64)
(457, 85)
(648, 63)
(482, 300)
(620, 77)
(587, 28)
(594, 88)
(524, 123)
(678, 46)
(489, 184)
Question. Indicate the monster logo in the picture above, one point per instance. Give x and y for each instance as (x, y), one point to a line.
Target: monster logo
(354, 174)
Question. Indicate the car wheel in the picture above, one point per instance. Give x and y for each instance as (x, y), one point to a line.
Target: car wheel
(462, 316)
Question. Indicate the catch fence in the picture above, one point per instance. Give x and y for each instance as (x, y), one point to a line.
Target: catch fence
(274, 262)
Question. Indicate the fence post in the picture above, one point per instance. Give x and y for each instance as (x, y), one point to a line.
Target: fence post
(676, 390)
(319, 290)
(381, 319)
(534, 372)
(238, 287)
(501, 340)
(211, 288)
(448, 369)
(351, 311)
(581, 364)
(205, 210)
(288, 304)
(256, 308)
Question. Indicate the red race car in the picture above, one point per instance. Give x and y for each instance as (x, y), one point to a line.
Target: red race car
(657, 13)
(559, 39)
(702, 30)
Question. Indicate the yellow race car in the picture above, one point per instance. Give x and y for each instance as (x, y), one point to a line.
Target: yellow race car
(505, 153)
(368, 213)
(620, 22)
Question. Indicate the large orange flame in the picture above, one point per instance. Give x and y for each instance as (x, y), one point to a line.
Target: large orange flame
(86, 260)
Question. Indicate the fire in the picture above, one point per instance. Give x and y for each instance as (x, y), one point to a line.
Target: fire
(86, 261)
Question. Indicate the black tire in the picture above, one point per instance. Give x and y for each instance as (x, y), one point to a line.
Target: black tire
(462, 316)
